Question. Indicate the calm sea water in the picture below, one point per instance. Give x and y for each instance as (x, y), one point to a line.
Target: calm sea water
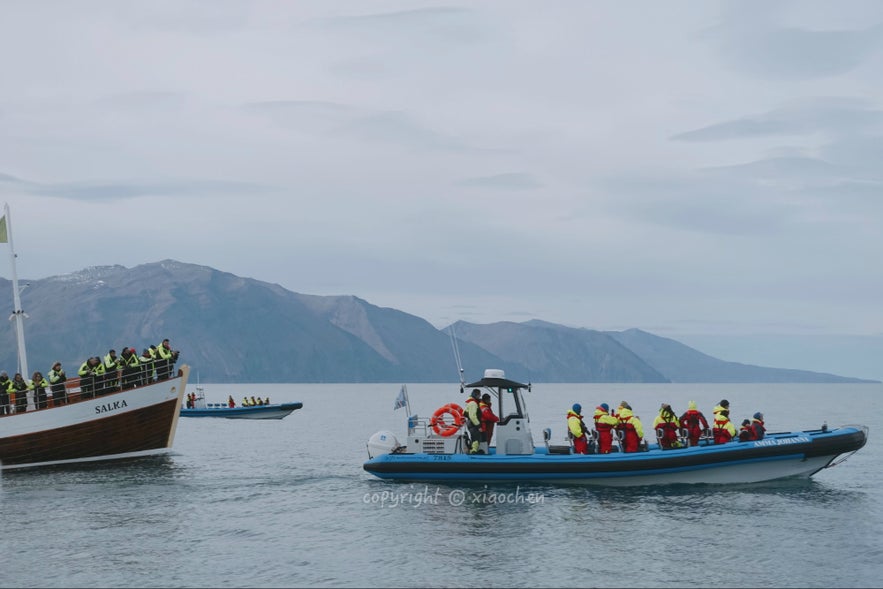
(286, 503)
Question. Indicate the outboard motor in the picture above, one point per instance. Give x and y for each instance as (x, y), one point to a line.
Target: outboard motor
(383, 442)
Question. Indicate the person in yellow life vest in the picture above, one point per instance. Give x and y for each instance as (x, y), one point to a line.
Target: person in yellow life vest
(130, 368)
(165, 360)
(630, 425)
(722, 429)
(245, 402)
(576, 428)
(473, 421)
(20, 388)
(39, 385)
(91, 372)
(666, 426)
(145, 361)
(604, 425)
(5, 383)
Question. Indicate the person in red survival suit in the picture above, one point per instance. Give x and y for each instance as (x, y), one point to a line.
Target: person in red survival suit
(576, 428)
(604, 424)
(758, 426)
(488, 419)
(746, 433)
(633, 430)
(723, 429)
(668, 422)
(694, 422)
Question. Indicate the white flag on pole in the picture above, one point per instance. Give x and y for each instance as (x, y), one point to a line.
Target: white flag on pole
(402, 399)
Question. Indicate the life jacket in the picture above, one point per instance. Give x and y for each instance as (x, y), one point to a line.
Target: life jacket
(602, 426)
(759, 429)
(720, 431)
(629, 433)
(746, 434)
(669, 432)
(473, 413)
(488, 419)
(572, 415)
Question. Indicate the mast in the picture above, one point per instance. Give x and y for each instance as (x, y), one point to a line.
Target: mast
(17, 314)
(457, 356)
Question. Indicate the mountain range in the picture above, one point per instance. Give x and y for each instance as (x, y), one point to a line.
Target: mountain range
(241, 330)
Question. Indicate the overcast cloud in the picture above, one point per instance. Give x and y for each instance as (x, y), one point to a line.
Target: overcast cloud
(691, 167)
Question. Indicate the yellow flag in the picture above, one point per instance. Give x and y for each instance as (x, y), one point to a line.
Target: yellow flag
(4, 238)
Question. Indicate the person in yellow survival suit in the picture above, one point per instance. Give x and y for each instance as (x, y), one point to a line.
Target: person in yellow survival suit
(576, 428)
(633, 430)
(473, 421)
(604, 425)
(722, 428)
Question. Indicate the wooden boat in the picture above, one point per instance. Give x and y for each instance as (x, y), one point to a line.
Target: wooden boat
(203, 409)
(435, 451)
(136, 421)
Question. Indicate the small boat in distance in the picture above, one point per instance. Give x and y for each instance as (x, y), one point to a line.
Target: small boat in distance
(435, 451)
(202, 409)
(114, 421)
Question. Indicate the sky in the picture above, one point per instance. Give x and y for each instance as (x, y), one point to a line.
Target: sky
(691, 168)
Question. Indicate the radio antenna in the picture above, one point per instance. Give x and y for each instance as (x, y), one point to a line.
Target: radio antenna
(456, 349)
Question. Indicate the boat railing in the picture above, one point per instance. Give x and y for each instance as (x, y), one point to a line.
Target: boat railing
(77, 389)
(419, 426)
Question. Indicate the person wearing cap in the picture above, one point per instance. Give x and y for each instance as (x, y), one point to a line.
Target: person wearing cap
(666, 426)
(746, 433)
(131, 368)
(488, 419)
(758, 426)
(472, 413)
(5, 383)
(722, 429)
(576, 428)
(631, 428)
(694, 422)
(604, 424)
(56, 384)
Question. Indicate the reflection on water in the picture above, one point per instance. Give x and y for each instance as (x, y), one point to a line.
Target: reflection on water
(120, 471)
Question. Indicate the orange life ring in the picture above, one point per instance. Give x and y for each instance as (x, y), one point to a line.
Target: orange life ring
(441, 426)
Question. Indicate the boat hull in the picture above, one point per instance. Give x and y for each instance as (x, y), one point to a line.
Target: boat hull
(136, 422)
(791, 455)
(255, 412)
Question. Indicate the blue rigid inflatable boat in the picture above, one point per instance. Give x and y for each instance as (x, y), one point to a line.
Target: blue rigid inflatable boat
(427, 456)
(251, 412)
(203, 409)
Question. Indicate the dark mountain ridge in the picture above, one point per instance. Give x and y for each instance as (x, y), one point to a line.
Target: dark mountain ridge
(234, 329)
